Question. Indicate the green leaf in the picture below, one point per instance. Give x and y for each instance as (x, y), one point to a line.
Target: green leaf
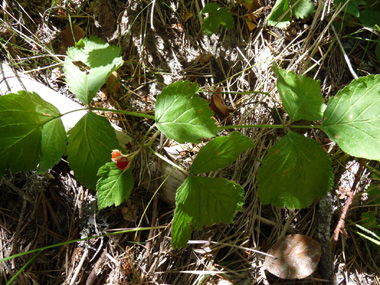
(217, 16)
(182, 115)
(203, 201)
(352, 118)
(300, 95)
(295, 172)
(22, 118)
(53, 145)
(91, 142)
(370, 17)
(114, 185)
(220, 152)
(281, 13)
(352, 6)
(88, 66)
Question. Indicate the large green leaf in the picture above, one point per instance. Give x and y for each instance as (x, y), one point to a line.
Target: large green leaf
(91, 142)
(300, 95)
(295, 172)
(182, 115)
(352, 118)
(88, 66)
(53, 143)
(220, 152)
(281, 13)
(22, 120)
(203, 201)
(114, 185)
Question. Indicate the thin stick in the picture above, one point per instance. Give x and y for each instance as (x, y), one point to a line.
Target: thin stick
(340, 226)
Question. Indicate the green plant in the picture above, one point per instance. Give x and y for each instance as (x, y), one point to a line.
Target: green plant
(217, 16)
(295, 172)
(284, 10)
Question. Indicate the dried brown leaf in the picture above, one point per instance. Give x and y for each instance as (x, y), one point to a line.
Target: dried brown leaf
(294, 257)
(68, 37)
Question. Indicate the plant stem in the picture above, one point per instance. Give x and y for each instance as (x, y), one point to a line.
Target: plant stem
(126, 113)
(268, 126)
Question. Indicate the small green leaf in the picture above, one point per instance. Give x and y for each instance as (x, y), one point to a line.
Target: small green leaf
(53, 145)
(300, 95)
(210, 8)
(88, 66)
(91, 142)
(352, 6)
(203, 201)
(281, 13)
(220, 152)
(295, 172)
(217, 16)
(22, 118)
(114, 185)
(352, 118)
(182, 115)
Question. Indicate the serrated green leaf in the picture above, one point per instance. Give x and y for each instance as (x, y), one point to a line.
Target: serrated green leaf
(217, 16)
(300, 95)
(295, 172)
(203, 201)
(87, 67)
(53, 144)
(91, 142)
(182, 115)
(22, 117)
(281, 13)
(114, 185)
(352, 118)
(220, 152)
(210, 8)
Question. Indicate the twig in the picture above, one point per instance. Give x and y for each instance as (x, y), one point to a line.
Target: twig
(340, 226)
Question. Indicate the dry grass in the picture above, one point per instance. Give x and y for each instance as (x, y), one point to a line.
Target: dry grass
(160, 46)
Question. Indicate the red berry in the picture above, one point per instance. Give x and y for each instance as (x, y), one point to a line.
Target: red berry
(116, 155)
(122, 163)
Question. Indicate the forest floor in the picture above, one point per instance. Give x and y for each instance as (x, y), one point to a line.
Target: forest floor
(161, 42)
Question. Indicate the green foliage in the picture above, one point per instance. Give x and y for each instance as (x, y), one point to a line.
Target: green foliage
(202, 201)
(53, 143)
(295, 172)
(182, 115)
(220, 152)
(352, 6)
(300, 95)
(114, 185)
(26, 123)
(283, 12)
(91, 142)
(352, 118)
(88, 67)
(217, 16)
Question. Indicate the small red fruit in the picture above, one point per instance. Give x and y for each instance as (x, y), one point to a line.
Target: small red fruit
(116, 155)
(121, 160)
(122, 164)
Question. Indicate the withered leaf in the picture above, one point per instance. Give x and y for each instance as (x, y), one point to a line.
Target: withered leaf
(217, 104)
(294, 257)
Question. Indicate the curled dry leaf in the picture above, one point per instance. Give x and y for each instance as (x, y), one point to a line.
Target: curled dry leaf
(218, 106)
(294, 257)
(113, 83)
(68, 37)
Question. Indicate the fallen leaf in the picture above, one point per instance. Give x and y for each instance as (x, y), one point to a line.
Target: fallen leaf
(251, 5)
(294, 257)
(68, 37)
(113, 83)
(217, 104)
